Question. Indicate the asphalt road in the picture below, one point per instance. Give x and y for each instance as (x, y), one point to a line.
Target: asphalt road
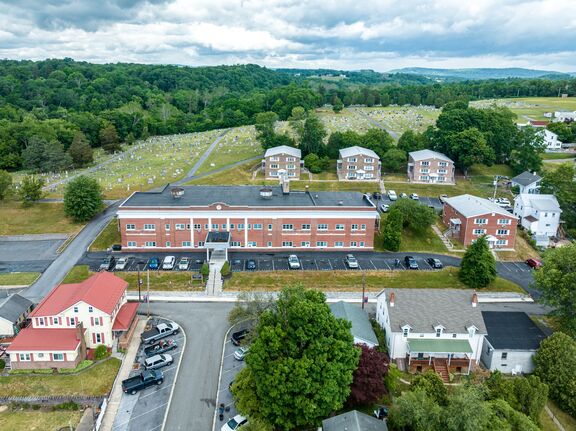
(207, 153)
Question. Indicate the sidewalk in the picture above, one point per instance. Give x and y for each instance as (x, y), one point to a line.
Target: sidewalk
(116, 395)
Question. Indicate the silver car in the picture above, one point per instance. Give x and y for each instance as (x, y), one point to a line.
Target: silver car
(121, 264)
(351, 261)
(293, 262)
(158, 361)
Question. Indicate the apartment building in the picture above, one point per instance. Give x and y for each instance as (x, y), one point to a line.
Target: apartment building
(282, 160)
(427, 166)
(357, 163)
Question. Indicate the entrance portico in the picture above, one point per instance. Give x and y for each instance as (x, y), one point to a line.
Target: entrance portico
(217, 243)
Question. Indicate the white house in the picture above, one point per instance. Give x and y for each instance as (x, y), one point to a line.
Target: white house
(361, 328)
(561, 116)
(438, 329)
(13, 312)
(512, 340)
(539, 214)
(550, 140)
(527, 183)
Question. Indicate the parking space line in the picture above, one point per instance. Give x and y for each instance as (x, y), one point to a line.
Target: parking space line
(143, 414)
(316, 263)
(155, 392)
(386, 263)
(330, 263)
(372, 264)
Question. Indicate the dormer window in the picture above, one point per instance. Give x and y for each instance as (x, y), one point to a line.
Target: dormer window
(471, 331)
(405, 331)
(75, 309)
(439, 330)
(90, 309)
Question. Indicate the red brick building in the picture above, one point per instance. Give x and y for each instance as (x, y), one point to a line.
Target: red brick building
(427, 166)
(247, 217)
(282, 160)
(469, 217)
(358, 163)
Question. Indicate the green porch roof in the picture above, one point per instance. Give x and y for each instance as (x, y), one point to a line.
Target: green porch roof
(422, 345)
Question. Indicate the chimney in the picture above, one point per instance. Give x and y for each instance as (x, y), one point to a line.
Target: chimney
(474, 300)
(391, 300)
(177, 192)
(285, 186)
(79, 331)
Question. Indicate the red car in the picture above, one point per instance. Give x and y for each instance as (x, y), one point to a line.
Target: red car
(533, 263)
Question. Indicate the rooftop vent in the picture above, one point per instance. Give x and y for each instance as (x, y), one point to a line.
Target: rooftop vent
(266, 193)
(177, 192)
(340, 203)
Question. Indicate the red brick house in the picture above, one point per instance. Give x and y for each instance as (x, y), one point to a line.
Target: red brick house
(427, 166)
(282, 160)
(358, 163)
(469, 217)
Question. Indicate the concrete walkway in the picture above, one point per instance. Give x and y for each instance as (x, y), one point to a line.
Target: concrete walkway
(127, 362)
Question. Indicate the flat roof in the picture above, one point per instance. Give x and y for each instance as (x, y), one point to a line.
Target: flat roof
(428, 345)
(512, 330)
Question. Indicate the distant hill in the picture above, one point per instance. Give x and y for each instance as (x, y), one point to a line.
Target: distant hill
(364, 76)
(481, 73)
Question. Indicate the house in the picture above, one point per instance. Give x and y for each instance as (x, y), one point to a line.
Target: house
(550, 140)
(539, 214)
(14, 310)
(437, 329)
(353, 421)
(282, 160)
(361, 326)
(527, 183)
(73, 318)
(563, 116)
(512, 340)
(357, 163)
(469, 217)
(427, 166)
(246, 218)
(539, 123)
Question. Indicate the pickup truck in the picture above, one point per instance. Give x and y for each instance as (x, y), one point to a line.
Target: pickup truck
(160, 331)
(162, 346)
(142, 381)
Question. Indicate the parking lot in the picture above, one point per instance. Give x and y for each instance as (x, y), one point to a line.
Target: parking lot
(145, 411)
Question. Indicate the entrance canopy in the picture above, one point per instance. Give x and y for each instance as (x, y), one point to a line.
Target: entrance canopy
(422, 345)
(217, 238)
(455, 221)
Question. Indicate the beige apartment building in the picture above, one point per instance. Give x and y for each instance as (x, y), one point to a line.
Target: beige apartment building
(427, 166)
(357, 163)
(282, 160)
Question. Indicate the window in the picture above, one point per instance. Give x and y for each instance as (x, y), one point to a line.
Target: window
(504, 221)
(361, 243)
(186, 244)
(321, 244)
(424, 177)
(479, 231)
(167, 226)
(257, 226)
(290, 159)
(305, 244)
(240, 226)
(150, 244)
(286, 243)
(274, 159)
(504, 355)
(368, 176)
(369, 160)
(206, 226)
(24, 357)
(188, 227)
(339, 227)
(352, 159)
(322, 226)
(197, 226)
(269, 227)
(351, 167)
(200, 243)
(75, 309)
(149, 226)
(179, 226)
(424, 171)
(405, 332)
(443, 164)
(97, 321)
(90, 309)
(502, 232)
(98, 338)
(252, 244)
(354, 227)
(232, 226)
(442, 171)
(58, 356)
(353, 244)
(269, 244)
(291, 174)
(168, 244)
(438, 332)
(224, 225)
(339, 244)
(40, 355)
(368, 168)
(502, 242)
(425, 163)
(131, 243)
(249, 226)
(235, 244)
(287, 227)
(130, 227)
(215, 226)
(481, 221)
(274, 166)
(305, 227)
(55, 319)
(40, 321)
(362, 227)
(291, 167)
(73, 321)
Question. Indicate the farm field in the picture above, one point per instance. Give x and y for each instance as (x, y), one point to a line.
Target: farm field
(531, 107)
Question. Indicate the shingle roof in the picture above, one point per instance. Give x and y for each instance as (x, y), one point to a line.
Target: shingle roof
(361, 327)
(471, 206)
(244, 196)
(526, 178)
(34, 339)
(283, 149)
(12, 307)
(423, 309)
(541, 202)
(428, 154)
(353, 421)
(356, 150)
(103, 291)
(512, 330)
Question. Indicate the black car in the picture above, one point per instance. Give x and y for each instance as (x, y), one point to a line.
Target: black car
(238, 336)
(410, 262)
(435, 263)
(107, 263)
(250, 264)
(377, 195)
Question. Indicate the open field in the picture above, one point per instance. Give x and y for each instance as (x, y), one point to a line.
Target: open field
(567, 421)
(558, 156)
(402, 118)
(39, 420)
(77, 274)
(162, 280)
(41, 217)
(18, 278)
(333, 186)
(349, 281)
(531, 107)
(95, 381)
(238, 175)
(108, 236)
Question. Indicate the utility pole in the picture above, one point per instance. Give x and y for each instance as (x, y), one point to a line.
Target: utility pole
(139, 283)
(495, 186)
(148, 294)
(363, 287)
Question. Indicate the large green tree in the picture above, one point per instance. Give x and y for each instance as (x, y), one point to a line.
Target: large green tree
(478, 266)
(312, 136)
(109, 139)
(300, 364)
(5, 184)
(45, 156)
(528, 149)
(412, 141)
(431, 383)
(394, 160)
(467, 148)
(392, 231)
(82, 198)
(560, 182)
(81, 151)
(30, 190)
(415, 216)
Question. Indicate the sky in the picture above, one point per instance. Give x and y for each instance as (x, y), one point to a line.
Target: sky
(340, 34)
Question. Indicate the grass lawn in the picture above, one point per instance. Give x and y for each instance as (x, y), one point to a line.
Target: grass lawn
(427, 241)
(352, 280)
(38, 420)
(238, 175)
(39, 218)
(532, 107)
(18, 278)
(77, 274)
(522, 251)
(163, 280)
(567, 421)
(96, 381)
(110, 235)
(558, 156)
(434, 190)
(335, 186)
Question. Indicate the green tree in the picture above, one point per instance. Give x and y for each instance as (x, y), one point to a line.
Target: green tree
(467, 410)
(82, 198)
(5, 184)
(478, 266)
(337, 105)
(563, 130)
(109, 139)
(300, 365)
(377, 140)
(394, 160)
(431, 383)
(560, 182)
(528, 149)
(555, 363)
(81, 151)
(412, 141)
(312, 137)
(557, 282)
(469, 147)
(249, 307)
(415, 411)
(30, 190)
(415, 216)
(316, 164)
(42, 155)
(392, 231)
(265, 123)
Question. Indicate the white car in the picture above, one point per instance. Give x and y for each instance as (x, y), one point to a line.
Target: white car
(293, 262)
(169, 262)
(351, 261)
(235, 423)
(121, 264)
(392, 195)
(502, 202)
(183, 264)
(240, 354)
(384, 208)
(414, 196)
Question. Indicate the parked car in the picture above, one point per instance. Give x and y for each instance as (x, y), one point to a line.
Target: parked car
(502, 202)
(162, 330)
(238, 336)
(240, 354)
(351, 261)
(121, 264)
(392, 195)
(107, 263)
(293, 262)
(384, 208)
(435, 263)
(410, 262)
(184, 264)
(142, 381)
(250, 264)
(414, 196)
(169, 262)
(162, 346)
(235, 423)
(154, 263)
(377, 195)
(442, 198)
(381, 413)
(158, 361)
(533, 263)
(403, 195)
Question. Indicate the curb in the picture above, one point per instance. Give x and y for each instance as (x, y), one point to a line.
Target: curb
(175, 378)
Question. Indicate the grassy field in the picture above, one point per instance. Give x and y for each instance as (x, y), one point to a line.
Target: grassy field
(163, 280)
(400, 118)
(333, 186)
(343, 121)
(558, 156)
(352, 280)
(567, 421)
(77, 274)
(110, 235)
(532, 107)
(238, 175)
(38, 420)
(39, 218)
(95, 381)
(18, 278)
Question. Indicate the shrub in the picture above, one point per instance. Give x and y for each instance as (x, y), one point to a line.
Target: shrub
(68, 405)
(2, 364)
(226, 270)
(205, 271)
(101, 352)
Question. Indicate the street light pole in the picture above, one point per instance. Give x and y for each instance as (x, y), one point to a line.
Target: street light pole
(139, 281)
(363, 287)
